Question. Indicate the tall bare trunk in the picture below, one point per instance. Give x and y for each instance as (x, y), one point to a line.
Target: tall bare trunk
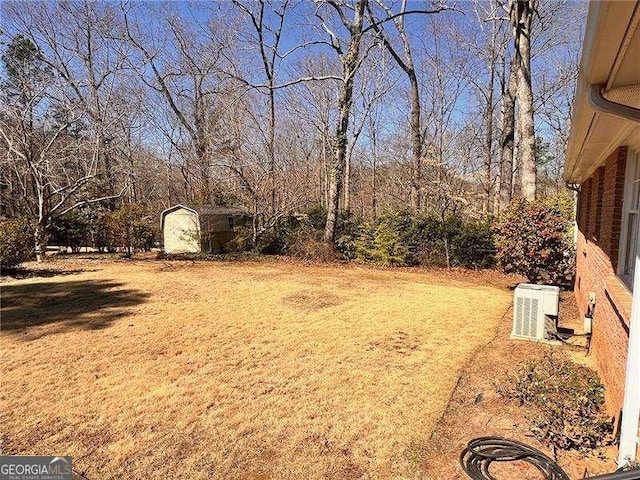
(488, 145)
(416, 142)
(271, 148)
(169, 182)
(345, 102)
(338, 162)
(347, 183)
(203, 191)
(507, 134)
(406, 64)
(374, 173)
(324, 172)
(108, 171)
(40, 244)
(521, 15)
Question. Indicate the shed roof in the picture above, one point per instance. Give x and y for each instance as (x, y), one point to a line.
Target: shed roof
(218, 210)
(205, 210)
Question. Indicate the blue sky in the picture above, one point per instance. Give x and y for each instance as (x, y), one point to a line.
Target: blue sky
(299, 28)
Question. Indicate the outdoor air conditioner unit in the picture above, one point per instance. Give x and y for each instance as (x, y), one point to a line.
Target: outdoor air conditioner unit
(535, 312)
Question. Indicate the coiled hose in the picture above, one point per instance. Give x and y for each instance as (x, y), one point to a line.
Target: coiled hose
(480, 453)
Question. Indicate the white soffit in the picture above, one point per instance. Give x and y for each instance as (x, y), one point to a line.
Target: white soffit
(610, 56)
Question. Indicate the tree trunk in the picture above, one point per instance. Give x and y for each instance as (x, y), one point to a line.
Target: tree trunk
(40, 240)
(254, 225)
(507, 133)
(374, 173)
(200, 141)
(521, 14)
(271, 149)
(416, 143)
(407, 65)
(445, 237)
(324, 171)
(345, 102)
(39, 232)
(108, 170)
(337, 167)
(488, 146)
(347, 181)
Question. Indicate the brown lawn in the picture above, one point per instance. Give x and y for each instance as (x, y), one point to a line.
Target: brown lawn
(155, 370)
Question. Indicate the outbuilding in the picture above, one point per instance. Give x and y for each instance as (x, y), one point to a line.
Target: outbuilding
(200, 228)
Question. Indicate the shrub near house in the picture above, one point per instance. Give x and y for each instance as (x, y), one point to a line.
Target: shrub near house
(565, 402)
(532, 240)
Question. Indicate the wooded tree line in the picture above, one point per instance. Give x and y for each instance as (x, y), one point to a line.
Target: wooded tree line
(356, 106)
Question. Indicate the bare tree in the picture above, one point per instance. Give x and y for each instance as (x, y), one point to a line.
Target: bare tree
(507, 131)
(268, 37)
(36, 127)
(405, 61)
(445, 75)
(313, 105)
(521, 14)
(348, 52)
(375, 81)
(81, 53)
(483, 47)
(188, 77)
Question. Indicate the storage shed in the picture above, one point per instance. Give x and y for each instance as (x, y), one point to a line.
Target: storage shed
(199, 228)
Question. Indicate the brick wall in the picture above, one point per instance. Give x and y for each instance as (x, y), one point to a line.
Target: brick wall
(599, 218)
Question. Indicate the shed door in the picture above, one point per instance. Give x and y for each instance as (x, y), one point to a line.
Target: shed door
(181, 232)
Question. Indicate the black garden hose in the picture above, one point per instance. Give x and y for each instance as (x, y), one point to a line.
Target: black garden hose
(480, 453)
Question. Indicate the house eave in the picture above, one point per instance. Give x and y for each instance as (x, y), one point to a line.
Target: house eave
(611, 47)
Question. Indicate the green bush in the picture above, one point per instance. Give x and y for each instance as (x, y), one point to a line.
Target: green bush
(564, 202)
(347, 233)
(381, 244)
(396, 238)
(473, 246)
(144, 234)
(285, 237)
(317, 217)
(103, 231)
(403, 238)
(242, 240)
(424, 236)
(532, 240)
(564, 401)
(17, 244)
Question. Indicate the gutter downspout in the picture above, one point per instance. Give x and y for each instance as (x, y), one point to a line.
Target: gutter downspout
(600, 104)
(630, 420)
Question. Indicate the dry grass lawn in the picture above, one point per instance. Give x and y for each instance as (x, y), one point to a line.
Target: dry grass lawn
(155, 370)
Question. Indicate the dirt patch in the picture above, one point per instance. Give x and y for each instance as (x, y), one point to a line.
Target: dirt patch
(312, 300)
(400, 342)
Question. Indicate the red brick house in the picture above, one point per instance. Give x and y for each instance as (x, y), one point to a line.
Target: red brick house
(603, 158)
